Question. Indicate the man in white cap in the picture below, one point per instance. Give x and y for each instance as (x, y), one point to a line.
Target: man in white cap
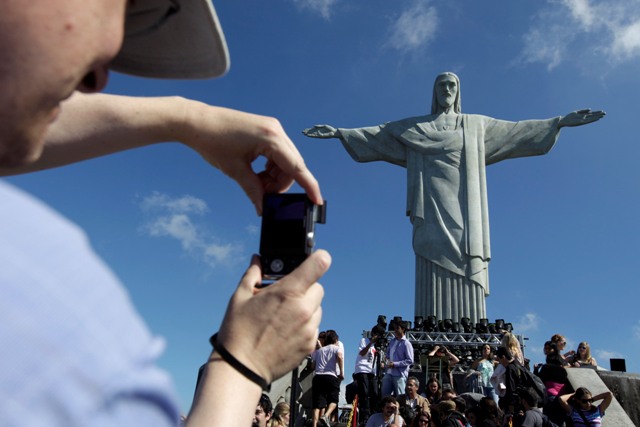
(74, 351)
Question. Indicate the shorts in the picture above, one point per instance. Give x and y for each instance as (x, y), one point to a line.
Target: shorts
(325, 389)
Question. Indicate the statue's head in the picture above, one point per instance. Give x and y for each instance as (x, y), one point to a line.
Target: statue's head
(446, 93)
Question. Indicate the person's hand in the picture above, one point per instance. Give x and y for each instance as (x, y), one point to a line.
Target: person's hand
(321, 131)
(271, 330)
(580, 117)
(232, 140)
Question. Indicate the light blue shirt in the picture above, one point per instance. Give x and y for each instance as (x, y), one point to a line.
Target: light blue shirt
(73, 350)
(400, 352)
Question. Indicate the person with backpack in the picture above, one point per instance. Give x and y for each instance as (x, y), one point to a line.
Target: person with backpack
(449, 416)
(529, 401)
(513, 379)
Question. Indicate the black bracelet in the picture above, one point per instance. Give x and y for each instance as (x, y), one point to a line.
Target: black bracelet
(237, 365)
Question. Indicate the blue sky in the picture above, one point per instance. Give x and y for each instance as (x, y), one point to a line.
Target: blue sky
(564, 227)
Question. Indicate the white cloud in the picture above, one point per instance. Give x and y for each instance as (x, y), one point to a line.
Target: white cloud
(324, 7)
(415, 27)
(252, 229)
(603, 356)
(527, 323)
(568, 30)
(173, 217)
(185, 204)
(581, 11)
(540, 46)
(178, 226)
(626, 41)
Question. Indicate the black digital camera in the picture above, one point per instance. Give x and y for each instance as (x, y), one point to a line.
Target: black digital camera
(287, 235)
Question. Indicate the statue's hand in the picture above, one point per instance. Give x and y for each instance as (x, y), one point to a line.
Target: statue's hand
(581, 117)
(321, 131)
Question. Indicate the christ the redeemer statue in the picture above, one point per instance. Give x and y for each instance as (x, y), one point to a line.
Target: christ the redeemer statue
(445, 154)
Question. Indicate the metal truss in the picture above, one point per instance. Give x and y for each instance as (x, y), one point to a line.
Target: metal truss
(466, 346)
(458, 339)
(421, 339)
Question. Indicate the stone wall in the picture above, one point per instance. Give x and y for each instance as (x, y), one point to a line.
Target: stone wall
(626, 389)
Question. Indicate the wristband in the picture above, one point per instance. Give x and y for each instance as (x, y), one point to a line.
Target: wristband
(237, 365)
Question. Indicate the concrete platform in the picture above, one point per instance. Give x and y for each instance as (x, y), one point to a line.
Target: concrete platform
(615, 415)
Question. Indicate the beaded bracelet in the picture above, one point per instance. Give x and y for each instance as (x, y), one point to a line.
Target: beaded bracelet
(237, 365)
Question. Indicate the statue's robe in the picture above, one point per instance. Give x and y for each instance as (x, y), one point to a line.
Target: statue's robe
(447, 197)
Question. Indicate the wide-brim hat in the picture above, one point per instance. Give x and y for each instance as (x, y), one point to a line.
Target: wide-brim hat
(179, 39)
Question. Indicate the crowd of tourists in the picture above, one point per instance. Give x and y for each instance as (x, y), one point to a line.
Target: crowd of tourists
(497, 390)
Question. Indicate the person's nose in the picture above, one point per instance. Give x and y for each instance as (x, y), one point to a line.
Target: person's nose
(95, 80)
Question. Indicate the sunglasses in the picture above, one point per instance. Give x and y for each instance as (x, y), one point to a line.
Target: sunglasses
(582, 348)
(586, 400)
(424, 420)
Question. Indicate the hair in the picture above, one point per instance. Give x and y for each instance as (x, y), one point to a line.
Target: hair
(417, 381)
(446, 407)
(438, 393)
(580, 393)
(388, 399)
(377, 330)
(557, 338)
(511, 342)
(475, 411)
(489, 410)
(528, 395)
(321, 337)
(265, 403)
(447, 388)
(402, 324)
(461, 404)
(416, 420)
(334, 332)
(330, 337)
(279, 411)
(504, 351)
(553, 356)
(490, 356)
(457, 104)
(587, 354)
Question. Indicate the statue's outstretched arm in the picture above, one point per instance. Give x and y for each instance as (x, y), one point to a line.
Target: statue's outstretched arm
(580, 117)
(321, 131)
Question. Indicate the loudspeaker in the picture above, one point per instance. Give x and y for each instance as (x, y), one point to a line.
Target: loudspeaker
(619, 365)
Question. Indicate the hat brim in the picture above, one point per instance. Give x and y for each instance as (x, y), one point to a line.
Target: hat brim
(173, 39)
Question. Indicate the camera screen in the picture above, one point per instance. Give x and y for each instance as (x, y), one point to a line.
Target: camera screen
(283, 224)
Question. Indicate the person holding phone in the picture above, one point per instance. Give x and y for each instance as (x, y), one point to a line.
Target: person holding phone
(75, 351)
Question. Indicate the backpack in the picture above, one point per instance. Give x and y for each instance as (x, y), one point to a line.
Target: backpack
(546, 422)
(531, 380)
(455, 419)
